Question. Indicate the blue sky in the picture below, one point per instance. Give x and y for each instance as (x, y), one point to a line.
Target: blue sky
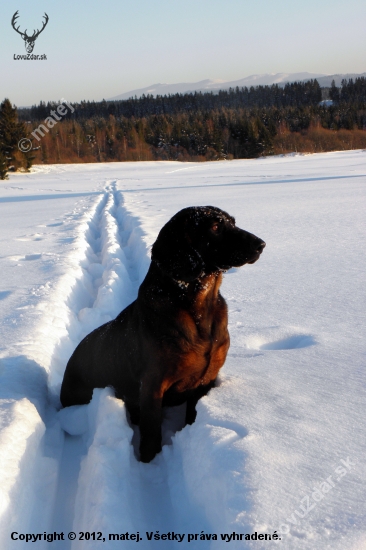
(99, 50)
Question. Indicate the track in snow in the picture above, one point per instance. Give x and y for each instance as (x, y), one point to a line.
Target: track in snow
(108, 265)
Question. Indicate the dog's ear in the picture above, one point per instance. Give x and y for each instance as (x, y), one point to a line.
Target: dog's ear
(174, 254)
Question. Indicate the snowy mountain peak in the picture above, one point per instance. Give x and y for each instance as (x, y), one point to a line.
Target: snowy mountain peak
(217, 84)
(207, 85)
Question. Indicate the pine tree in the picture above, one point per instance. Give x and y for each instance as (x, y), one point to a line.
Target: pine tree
(11, 132)
(3, 166)
(334, 92)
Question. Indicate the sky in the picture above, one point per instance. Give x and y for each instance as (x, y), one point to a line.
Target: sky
(99, 50)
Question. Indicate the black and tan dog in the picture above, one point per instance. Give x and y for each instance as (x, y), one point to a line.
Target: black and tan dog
(167, 346)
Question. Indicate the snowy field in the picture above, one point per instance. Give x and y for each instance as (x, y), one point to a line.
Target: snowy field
(280, 444)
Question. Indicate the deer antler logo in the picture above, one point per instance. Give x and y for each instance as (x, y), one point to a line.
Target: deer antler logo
(28, 40)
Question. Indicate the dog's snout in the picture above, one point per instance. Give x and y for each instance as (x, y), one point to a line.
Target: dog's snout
(260, 246)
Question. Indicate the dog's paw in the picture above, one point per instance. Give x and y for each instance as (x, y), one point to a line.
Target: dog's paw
(148, 450)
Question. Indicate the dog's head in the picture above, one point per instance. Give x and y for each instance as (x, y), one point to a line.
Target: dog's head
(201, 240)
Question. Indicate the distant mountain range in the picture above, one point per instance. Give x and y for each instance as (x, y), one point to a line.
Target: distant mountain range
(253, 80)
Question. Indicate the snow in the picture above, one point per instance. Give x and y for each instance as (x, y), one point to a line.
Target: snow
(326, 102)
(279, 445)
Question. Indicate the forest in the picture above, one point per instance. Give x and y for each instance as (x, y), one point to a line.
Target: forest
(231, 124)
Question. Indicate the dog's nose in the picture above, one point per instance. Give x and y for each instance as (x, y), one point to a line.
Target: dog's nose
(260, 247)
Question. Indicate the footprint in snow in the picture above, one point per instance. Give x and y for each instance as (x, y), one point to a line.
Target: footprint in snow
(55, 224)
(28, 257)
(280, 339)
(32, 237)
(296, 341)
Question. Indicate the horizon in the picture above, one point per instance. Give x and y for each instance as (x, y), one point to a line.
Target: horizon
(106, 51)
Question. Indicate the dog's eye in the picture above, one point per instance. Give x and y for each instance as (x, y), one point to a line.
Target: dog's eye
(215, 227)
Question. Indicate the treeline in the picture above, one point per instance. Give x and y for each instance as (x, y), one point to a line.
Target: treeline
(295, 95)
(292, 94)
(240, 123)
(224, 134)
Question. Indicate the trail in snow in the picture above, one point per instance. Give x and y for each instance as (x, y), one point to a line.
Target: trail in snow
(107, 262)
(68, 472)
(74, 447)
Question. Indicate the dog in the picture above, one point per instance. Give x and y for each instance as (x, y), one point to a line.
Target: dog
(167, 347)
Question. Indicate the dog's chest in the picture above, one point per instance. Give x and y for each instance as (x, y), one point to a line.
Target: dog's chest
(202, 353)
(197, 369)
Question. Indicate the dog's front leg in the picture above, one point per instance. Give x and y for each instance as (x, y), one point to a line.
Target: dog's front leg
(150, 421)
(193, 399)
(191, 412)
